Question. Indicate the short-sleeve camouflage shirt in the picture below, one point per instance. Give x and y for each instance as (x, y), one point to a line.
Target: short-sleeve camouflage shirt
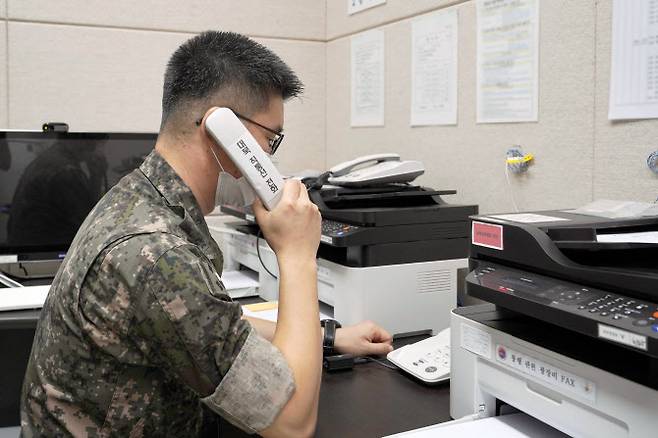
(137, 331)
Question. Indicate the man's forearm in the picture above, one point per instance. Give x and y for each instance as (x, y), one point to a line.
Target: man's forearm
(298, 337)
(266, 328)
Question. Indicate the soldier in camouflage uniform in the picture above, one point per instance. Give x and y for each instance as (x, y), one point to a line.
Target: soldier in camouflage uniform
(137, 333)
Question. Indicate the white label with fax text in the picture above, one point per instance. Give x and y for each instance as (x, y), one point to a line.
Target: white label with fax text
(546, 372)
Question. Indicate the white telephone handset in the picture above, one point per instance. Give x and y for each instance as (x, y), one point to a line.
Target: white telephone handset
(382, 169)
(346, 167)
(232, 136)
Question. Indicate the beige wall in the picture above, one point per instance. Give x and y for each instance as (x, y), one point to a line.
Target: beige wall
(340, 24)
(621, 150)
(290, 19)
(579, 152)
(103, 72)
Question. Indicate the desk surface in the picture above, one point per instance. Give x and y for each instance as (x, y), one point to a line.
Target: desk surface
(374, 401)
(368, 401)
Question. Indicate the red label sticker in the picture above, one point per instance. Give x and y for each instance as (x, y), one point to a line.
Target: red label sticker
(487, 235)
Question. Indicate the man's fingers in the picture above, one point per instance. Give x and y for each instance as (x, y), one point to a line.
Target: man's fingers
(303, 193)
(291, 190)
(378, 349)
(259, 210)
(381, 335)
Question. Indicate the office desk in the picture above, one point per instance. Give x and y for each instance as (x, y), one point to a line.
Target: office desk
(16, 335)
(373, 401)
(369, 401)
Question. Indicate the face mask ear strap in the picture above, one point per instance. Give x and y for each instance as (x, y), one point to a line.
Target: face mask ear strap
(217, 159)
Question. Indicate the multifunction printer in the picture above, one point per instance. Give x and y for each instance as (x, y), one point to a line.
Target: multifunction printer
(389, 253)
(570, 334)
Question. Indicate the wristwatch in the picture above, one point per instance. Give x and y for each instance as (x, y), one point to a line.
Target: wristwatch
(330, 326)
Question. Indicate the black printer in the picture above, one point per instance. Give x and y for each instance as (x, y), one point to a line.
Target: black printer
(589, 275)
(385, 225)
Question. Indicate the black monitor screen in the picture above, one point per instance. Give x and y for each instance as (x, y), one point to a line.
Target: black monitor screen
(49, 182)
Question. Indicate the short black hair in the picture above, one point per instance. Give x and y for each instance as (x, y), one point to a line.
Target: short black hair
(225, 65)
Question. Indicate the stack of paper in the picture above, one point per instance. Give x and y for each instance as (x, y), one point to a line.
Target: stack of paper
(240, 284)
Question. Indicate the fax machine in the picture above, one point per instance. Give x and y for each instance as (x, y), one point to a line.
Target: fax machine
(571, 332)
(389, 253)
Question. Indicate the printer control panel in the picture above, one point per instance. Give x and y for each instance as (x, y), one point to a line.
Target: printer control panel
(606, 315)
(332, 231)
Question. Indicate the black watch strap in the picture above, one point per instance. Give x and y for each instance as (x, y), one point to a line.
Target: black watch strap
(330, 326)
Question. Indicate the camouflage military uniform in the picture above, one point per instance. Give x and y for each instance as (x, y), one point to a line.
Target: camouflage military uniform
(137, 330)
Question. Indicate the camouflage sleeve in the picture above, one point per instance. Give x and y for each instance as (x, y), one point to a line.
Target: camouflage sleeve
(187, 325)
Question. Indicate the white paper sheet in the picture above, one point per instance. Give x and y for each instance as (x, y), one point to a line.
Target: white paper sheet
(528, 218)
(367, 51)
(641, 237)
(240, 284)
(354, 6)
(20, 298)
(634, 69)
(507, 61)
(434, 69)
(615, 209)
(506, 426)
(239, 279)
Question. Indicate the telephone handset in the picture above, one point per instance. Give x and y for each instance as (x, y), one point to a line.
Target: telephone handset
(382, 169)
(232, 136)
(346, 167)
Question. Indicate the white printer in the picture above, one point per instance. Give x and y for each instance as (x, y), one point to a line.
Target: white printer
(390, 254)
(570, 333)
(499, 359)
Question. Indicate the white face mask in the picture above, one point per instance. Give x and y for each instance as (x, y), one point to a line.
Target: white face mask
(232, 191)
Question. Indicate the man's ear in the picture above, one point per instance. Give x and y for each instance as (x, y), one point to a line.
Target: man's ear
(205, 117)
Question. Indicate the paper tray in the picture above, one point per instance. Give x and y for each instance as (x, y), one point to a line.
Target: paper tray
(507, 426)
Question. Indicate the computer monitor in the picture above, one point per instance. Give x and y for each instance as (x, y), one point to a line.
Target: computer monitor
(50, 181)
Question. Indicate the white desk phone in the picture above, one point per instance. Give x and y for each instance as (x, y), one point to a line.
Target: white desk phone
(427, 360)
(382, 169)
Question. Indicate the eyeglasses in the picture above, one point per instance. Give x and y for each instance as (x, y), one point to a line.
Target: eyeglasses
(273, 143)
